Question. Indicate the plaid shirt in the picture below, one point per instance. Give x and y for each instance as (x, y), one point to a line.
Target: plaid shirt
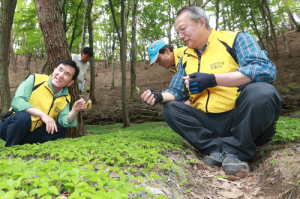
(253, 62)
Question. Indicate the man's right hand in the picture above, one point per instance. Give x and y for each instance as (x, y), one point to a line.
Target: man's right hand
(152, 97)
(50, 123)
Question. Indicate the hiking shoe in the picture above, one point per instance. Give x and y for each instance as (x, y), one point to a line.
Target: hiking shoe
(232, 165)
(214, 159)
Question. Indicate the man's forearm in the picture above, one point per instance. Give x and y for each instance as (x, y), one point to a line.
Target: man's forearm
(35, 112)
(232, 79)
(168, 97)
(72, 115)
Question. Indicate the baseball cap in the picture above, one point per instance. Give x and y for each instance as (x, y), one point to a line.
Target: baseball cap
(153, 50)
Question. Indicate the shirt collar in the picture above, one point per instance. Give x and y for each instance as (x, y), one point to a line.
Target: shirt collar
(203, 50)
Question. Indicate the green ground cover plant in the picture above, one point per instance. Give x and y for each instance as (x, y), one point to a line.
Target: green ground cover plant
(110, 162)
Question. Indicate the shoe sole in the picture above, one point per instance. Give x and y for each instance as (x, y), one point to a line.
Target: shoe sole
(211, 162)
(233, 170)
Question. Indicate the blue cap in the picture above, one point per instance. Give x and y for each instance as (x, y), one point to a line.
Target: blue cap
(153, 50)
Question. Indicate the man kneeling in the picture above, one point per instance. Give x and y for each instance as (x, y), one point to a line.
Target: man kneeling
(38, 101)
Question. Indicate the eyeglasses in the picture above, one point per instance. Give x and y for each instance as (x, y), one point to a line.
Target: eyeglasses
(182, 29)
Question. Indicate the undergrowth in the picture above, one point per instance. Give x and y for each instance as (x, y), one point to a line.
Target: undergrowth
(113, 163)
(110, 162)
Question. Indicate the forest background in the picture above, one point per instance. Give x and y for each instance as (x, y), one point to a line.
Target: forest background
(120, 32)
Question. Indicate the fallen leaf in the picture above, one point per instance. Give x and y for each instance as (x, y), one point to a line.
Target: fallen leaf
(195, 195)
(231, 194)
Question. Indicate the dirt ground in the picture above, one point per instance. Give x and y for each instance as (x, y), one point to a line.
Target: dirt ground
(275, 171)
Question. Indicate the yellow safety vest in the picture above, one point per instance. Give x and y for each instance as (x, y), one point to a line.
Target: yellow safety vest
(178, 53)
(216, 59)
(42, 98)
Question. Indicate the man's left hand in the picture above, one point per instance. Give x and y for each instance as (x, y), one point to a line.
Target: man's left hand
(79, 105)
(200, 82)
(152, 97)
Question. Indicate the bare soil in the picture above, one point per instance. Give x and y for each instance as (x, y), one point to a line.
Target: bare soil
(275, 171)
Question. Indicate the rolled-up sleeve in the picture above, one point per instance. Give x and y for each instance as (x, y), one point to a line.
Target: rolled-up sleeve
(253, 62)
(63, 118)
(176, 87)
(20, 101)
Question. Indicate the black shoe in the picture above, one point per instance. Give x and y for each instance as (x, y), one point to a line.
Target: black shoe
(232, 165)
(214, 159)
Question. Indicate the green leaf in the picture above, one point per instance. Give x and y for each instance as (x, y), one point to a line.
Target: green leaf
(10, 194)
(21, 194)
(54, 190)
(33, 192)
(42, 191)
(137, 88)
(46, 197)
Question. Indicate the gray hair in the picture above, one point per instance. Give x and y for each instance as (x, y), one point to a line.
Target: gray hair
(195, 13)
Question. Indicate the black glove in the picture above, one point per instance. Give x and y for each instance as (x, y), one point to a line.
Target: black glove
(157, 96)
(201, 81)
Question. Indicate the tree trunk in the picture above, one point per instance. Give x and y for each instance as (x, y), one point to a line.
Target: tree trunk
(91, 42)
(272, 27)
(6, 21)
(112, 66)
(86, 7)
(133, 52)
(217, 14)
(122, 39)
(286, 45)
(75, 26)
(57, 49)
(291, 17)
(12, 55)
(224, 15)
(28, 59)
(255, 28)
(144, 51)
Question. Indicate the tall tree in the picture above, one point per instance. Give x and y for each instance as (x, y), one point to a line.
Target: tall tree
(122, 35)
(57, 48)
(86, 8)
(91, 43)
(6, 16)
(133, 50)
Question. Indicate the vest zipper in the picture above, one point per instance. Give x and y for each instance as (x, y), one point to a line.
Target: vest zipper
(199, 59)
(208, 94)
(52, 101)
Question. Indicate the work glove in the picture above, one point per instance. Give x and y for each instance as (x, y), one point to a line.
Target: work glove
(157, 96)
(201, 81)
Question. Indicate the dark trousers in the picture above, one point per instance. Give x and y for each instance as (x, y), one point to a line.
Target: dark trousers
(15, 131)
(251, 123)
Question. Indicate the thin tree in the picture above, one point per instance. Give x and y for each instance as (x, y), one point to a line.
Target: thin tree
(86, 7)
(91, 42)
(133, 51)
(6, 19)
(122, 35)
(57, 49)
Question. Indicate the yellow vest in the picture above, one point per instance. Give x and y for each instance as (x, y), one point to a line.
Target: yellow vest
(216, 59)
(47, 103)
(178, 53)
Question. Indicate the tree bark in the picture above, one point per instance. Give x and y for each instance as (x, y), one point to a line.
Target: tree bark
(272, 27)
(6, 21)
(133, 51)
(12, 55)
(217, 14)
(91, 44)
(75, 25)
(86, 7)
(57, 49)
(122, 39)
(224, 15)
(255, 28)
(28, 59)
(112, 66)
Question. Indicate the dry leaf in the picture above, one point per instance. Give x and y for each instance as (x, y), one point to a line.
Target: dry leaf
(231, 194)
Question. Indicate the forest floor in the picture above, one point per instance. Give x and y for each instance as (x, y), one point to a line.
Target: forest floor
(265, 179)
